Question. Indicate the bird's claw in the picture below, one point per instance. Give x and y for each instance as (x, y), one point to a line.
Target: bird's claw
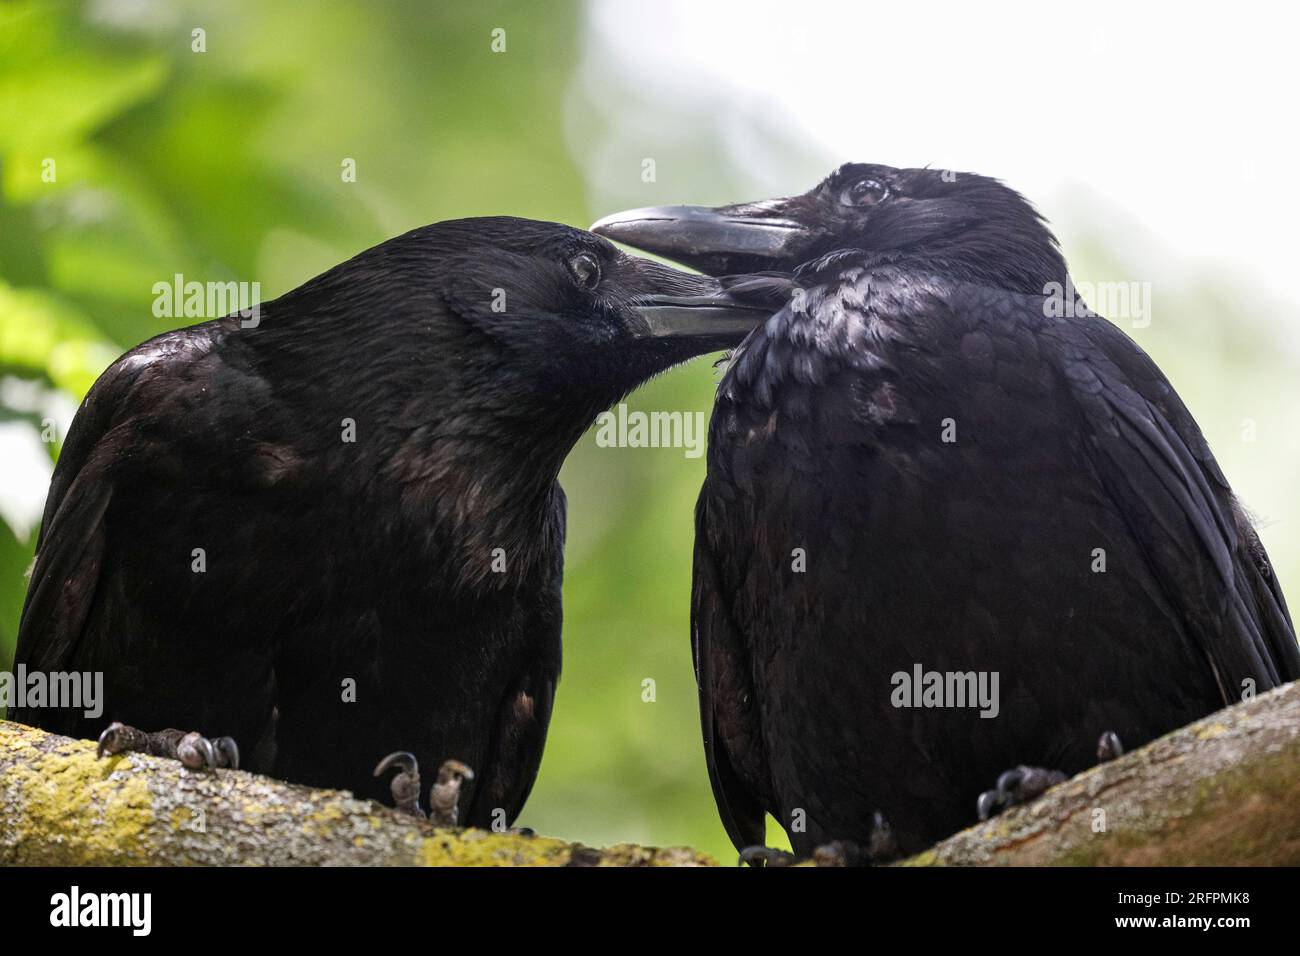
(880, 848)
(1016, 786)
(444, 795)
(201, 753)
(196, 752)
(111, 741)
(987, 804)
(227, 752)
(765, 856)
(192, 749)
(405, 786)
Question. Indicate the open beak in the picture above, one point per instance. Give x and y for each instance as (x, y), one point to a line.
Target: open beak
(727, 240)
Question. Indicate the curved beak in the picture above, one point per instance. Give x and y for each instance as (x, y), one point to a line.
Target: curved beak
(717, 241)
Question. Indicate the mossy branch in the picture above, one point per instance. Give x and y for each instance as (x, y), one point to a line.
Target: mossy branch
(59, 805)
(1224, 790)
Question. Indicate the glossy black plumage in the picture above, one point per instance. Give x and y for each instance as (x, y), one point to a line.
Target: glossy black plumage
(420, 563)
(920, 310)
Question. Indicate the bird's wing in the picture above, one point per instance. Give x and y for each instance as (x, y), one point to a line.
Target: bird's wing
(71, 544)
(732, 743)
(516, 750)
(519, 736)
(1157, 467)
(64, 576)
(116, 447)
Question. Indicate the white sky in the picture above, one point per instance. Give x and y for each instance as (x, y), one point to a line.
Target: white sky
(1158, 138)
(1177, 121)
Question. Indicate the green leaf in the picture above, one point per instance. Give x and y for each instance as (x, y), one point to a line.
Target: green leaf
(41, 333)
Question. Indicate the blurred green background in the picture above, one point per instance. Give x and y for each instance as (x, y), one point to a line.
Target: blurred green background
(226, 165)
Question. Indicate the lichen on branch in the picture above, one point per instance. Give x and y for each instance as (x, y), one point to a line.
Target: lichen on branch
(60, 805)
(1224, 790)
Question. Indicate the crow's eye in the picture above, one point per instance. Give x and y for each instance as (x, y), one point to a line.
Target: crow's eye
(586, 270)
(865, 192)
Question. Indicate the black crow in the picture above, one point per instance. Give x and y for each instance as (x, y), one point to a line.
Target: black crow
(953, 522)
(333, 529)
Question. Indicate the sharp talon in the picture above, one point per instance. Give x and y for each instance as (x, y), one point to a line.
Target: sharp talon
(227, 750)
(1008, 780)
(1109, 747)
(195, 751)
(1015, 787)
(987, 805)
(451, 769)
(444, 795)
(105, 739)
(400, 758)
(405, 785)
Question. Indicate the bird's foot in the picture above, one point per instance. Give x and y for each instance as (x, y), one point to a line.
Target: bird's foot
(405, 786)
(760, 855)
(1023, 784)
(880, 848)
(444, 795)
(1016, 786)
(192, 749)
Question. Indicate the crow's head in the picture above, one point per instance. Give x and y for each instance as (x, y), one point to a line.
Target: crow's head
(512, 316)
(570, 305)
(466, 358)
(968, 225)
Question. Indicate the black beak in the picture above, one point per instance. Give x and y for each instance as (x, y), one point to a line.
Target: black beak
(714, 315)
(679, 305)
(722, 241)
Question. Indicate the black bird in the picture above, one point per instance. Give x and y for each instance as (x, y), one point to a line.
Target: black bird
(932, 459)
(334, 529)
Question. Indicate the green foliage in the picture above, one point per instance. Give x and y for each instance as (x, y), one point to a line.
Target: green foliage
(226, 165)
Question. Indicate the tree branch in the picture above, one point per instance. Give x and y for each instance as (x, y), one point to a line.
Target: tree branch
(1224, 790)
(59, 805)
